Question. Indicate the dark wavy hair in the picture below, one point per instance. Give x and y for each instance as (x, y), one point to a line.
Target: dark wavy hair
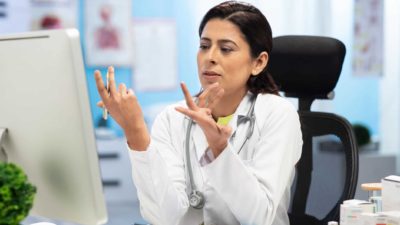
(257, 31)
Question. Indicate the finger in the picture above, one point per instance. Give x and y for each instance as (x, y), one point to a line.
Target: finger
(189, 100)
(187, 112)
(205, 120)
(100, 104)
(122, 89)
(182, 110)
(100, 86)
(111, 74)
(217, 97)
(131, 95)
(130, 92)
(205, 95)
(212, 93)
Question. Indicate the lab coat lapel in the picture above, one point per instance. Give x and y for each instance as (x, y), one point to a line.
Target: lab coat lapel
(238, 134)
(240, 111)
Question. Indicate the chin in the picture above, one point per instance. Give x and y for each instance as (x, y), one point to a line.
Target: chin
(205, 84)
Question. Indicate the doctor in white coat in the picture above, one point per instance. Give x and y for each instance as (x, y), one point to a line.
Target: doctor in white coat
(227, 155)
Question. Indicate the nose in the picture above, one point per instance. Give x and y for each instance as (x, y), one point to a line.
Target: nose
(212, 55)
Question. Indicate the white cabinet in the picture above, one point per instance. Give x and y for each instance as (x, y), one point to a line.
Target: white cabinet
(372, 168)
(116, 170)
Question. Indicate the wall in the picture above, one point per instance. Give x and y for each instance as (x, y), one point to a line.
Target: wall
(356, 97)
(389, 96)
(187, 48)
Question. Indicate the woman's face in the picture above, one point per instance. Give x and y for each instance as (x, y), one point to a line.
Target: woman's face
(224, 57)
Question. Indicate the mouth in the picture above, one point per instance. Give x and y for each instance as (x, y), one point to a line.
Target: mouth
(210, 76)
(209, 73)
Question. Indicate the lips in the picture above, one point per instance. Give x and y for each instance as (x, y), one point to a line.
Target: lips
(210, 73)
(210, 76)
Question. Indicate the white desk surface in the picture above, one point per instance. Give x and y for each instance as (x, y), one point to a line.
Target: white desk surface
(126, 213)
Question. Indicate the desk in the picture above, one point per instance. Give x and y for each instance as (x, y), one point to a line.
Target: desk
(126, 213)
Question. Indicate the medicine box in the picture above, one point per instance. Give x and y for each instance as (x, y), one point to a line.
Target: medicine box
(391, 193)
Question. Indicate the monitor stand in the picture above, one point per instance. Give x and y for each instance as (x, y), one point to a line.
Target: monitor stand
(3, 154)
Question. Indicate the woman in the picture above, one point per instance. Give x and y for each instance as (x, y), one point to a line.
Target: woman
(235, 144)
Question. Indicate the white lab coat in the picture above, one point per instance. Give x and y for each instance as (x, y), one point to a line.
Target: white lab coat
(252, 187)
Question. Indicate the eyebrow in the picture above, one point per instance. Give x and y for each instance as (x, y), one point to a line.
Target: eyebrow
(220, 41)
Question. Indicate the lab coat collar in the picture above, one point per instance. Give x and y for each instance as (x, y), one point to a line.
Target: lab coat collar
(198, 137)
(241, 111)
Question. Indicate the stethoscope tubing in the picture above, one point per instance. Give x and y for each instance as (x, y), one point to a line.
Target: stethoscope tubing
(249, 117)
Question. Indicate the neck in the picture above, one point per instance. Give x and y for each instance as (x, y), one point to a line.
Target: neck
(228, 104)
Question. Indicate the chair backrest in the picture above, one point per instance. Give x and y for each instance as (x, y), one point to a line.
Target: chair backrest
(308, 68)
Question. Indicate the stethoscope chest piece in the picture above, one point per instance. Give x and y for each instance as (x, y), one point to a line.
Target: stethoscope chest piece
(196, 199)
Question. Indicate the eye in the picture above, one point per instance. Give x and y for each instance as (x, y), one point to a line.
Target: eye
(226, 49)
(204, 46)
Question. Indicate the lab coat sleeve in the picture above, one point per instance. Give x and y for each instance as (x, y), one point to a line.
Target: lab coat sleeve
(253, 189)
(158, 174)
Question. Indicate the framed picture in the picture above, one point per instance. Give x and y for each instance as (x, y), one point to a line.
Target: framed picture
(53, 14)
(368, 37)
(155, 37)
(108, 32)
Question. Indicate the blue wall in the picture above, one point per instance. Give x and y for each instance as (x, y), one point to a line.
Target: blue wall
(357, 100)
(357, 97)
(187, 42)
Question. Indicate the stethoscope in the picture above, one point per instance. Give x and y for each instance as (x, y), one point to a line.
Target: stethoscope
(196, 198)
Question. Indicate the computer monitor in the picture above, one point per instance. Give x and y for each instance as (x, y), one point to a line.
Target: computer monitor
(44, 106)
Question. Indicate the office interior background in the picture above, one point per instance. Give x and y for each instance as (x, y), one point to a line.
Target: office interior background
(157, 40)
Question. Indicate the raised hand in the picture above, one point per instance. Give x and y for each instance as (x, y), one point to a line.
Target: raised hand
(124, 107)
(217, 136)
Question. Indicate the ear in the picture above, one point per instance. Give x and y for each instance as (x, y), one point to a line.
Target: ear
(260, 63)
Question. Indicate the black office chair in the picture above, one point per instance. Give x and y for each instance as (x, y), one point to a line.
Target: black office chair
(308, 68)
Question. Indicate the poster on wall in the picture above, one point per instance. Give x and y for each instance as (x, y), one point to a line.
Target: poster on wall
(15, 16)
(108, 32)
(54, 14)
(155, 57)
(368, 38)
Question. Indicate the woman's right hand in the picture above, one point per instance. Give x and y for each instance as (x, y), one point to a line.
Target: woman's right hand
(124, 107)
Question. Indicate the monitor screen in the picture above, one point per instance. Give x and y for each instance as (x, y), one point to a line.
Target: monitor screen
(44, 106)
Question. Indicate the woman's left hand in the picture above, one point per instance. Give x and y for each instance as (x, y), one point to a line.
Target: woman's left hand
(217, 136)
